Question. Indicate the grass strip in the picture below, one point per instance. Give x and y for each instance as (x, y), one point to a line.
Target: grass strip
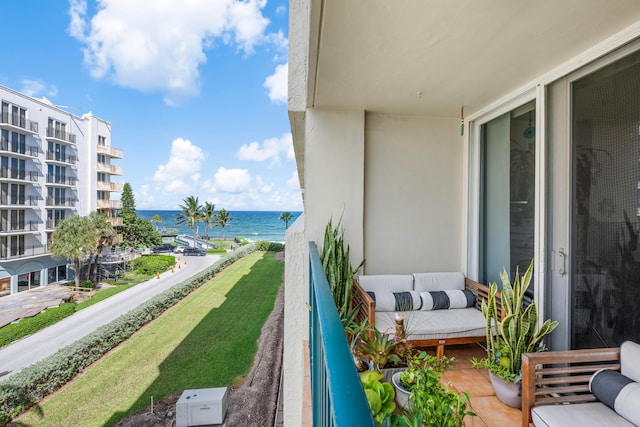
(207, 340)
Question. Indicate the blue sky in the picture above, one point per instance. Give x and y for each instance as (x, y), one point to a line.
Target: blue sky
(195, 91)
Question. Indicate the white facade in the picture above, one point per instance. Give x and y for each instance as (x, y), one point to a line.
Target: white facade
(54, 165)
(376, 91)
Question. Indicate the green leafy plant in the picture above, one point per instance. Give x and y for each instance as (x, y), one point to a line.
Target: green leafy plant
(432, 404)
(517, 332)
(380, 396)
(337, 267)
(380, 348)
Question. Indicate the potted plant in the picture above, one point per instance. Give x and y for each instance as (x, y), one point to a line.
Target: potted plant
(426, 400)
(355, 332)
(380, 348)
(517, 333)
(380, 396)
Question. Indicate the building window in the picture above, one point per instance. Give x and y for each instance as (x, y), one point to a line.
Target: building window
(102, 140)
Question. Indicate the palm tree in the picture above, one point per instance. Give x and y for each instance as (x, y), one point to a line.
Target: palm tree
(208, 217)
(191, 214)
(286, 217)
(224, 220)
(74, 239)
(104, 235)
(156, 218)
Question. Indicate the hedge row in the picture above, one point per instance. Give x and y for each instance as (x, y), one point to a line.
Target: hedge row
(22, 390)
(153, 264)
(264, 245)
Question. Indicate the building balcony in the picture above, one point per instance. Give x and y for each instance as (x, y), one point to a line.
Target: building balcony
(109, 168)
(60, 202)
(58, 158)
(18, 227)
(18, 150)
(26, 252)
(10, 174)
(58, 135)
(22, 202)
(110, 186)
(16, 122)
(51, 224)
(109, 204)
(107, 150)
(61, 180)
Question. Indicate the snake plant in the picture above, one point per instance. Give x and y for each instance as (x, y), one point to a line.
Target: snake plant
(517, 331)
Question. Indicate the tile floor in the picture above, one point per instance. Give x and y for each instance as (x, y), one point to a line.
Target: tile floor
(464, 378)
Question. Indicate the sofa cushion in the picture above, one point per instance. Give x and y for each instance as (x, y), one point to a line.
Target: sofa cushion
(423, 325)
(618, 392)
(396, 301)
(582, 414)
(386, 282)
(630, 360)
(439, 281)
(448, 299)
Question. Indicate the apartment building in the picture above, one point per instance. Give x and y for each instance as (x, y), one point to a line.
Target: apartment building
(53, 164)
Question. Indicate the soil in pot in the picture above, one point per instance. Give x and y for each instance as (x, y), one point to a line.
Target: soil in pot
(508, 393)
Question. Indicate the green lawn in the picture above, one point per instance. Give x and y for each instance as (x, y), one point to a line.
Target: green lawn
(207, 340)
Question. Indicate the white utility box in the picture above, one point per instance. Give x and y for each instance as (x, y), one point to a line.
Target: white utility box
(201, 407)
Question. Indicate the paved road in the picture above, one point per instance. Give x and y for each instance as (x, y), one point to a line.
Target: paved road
(36, 347)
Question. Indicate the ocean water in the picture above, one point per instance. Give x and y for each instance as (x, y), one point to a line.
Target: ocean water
(251, 225)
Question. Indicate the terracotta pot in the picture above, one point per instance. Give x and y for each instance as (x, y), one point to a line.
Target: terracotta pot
(508, 393)
(402, 394)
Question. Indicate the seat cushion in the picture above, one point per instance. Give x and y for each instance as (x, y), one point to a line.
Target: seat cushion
(423, 325)
(438, 281)
(630, 360)
(580, 414)
(386, 282)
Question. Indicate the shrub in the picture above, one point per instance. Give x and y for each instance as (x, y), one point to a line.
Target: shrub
(153, 264)
(264, 245)
(20, 391)
(86, 284)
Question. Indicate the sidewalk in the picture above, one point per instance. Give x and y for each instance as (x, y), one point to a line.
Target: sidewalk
(38, 346)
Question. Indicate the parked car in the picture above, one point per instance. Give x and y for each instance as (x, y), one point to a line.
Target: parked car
(178, 250)
(165, 247)
(194, 252)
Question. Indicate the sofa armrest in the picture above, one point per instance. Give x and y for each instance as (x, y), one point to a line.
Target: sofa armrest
(551, 377)
(482, 293)
(366, 305)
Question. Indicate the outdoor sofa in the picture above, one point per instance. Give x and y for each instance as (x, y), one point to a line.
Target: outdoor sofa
(439, 308)
(596, 387)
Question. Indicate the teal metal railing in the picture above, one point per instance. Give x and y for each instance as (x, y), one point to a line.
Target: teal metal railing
(336, 394)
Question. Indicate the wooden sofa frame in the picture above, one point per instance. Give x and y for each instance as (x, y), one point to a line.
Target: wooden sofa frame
(367, 310)
(561, 377)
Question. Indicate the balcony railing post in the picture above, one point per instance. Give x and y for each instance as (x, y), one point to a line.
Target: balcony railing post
(337, 395)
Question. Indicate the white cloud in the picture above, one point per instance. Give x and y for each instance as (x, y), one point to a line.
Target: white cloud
(158, 45)
(270, 149)
(294, 182)
(277, 84)
(38, 87)
(181, 171)
(232, 180)
(282, 9)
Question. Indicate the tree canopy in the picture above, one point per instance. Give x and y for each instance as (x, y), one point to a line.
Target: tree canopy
(74, 238)
(224, 220)
(191, 214)
(286, 217)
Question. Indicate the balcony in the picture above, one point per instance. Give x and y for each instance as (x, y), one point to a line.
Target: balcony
(29, 251)
(336, 396)
(61, 180)
(109, 204)
(10, 174)
(60, 202)
(18, 150)
(109, 168)
(60, 135)
(18, 227)
(58, 158)
(110, 151)
(51, 224)
(17, 122)
(18, 201)
(110, 186)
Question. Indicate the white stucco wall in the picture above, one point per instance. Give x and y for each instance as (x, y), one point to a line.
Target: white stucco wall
(413, 210)
(295, 321)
